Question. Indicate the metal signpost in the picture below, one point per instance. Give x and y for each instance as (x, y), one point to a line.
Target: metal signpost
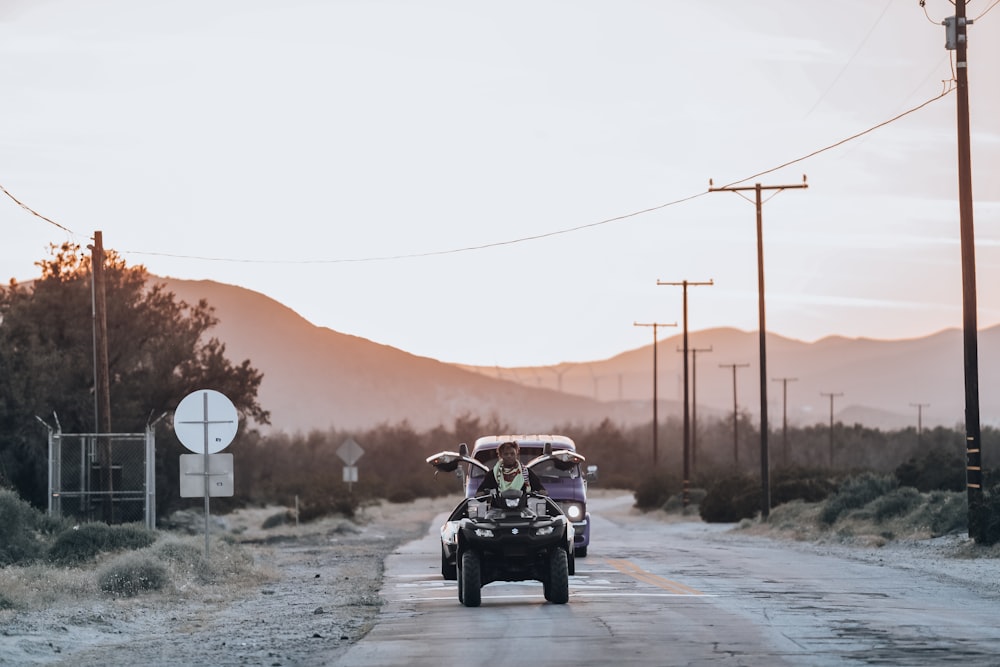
(349, 452)
(206, 422)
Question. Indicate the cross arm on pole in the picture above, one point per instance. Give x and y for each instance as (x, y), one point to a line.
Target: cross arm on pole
(757, 187)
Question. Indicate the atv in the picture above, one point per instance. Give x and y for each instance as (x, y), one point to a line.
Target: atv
(511, 535)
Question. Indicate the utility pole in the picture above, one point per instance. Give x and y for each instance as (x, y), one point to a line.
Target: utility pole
(694, 404)
(559, 373)
(956, 39)
(920, 418)
(656, 400)
(765, 476)
(736, 440)
(831, 423)
(102, 382)
(596, 380)
(687, 407)
(784, 417)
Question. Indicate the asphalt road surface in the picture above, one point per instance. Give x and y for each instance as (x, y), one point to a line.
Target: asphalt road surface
(657, 593)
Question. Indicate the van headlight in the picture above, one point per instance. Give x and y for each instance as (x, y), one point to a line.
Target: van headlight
(574, 511)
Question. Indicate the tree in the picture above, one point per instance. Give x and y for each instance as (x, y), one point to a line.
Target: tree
(158, 353)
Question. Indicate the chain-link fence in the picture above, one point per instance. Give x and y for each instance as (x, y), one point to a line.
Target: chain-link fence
(109, 477)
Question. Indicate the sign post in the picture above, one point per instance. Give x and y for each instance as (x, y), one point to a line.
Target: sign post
(349, 452)
(205, 422)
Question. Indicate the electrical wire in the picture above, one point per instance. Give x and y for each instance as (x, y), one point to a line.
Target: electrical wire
(34, 212)
(851, 59)
(923, 6)
(522, 239)
(844, 141)
(987, 10)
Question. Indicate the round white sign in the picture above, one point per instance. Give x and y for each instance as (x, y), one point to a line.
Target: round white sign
(206, 420)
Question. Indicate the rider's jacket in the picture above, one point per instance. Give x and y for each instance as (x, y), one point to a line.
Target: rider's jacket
(524, 479)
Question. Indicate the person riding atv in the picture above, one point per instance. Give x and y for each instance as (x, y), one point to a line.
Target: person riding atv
(514, 534)
(510, 473)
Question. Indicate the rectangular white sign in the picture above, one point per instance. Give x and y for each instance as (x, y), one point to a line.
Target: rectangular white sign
(220, 475)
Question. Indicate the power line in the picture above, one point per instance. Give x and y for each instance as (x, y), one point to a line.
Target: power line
(34, 212)
(497, 244)
(987, 10)
(851, 59)
(844, 141)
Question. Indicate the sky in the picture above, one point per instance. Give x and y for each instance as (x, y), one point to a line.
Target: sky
(507, 183)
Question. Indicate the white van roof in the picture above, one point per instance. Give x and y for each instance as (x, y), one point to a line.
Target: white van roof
(493, 441)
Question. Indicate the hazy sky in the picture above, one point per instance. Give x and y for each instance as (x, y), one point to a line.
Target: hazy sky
(505, 183)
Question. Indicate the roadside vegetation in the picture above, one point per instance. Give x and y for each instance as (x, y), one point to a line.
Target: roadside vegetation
(163, 349)
(44, 560)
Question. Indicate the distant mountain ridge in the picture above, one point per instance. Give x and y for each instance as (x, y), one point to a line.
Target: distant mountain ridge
(318, 378)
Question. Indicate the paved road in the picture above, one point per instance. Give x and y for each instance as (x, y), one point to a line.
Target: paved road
(655, 593)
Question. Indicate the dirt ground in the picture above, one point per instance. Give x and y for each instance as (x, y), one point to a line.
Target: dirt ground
(318, 592)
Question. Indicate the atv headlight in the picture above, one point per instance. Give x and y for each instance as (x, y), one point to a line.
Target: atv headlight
(573, 510)
(545, 530)
(484, 532)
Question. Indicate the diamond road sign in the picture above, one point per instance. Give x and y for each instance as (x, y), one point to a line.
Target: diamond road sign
(350, 452)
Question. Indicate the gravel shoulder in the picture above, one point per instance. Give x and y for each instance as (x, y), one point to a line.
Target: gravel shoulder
(314, 594)
(315, 589)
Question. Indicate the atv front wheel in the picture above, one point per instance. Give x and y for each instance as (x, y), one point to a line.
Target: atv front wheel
(557, 591)
(469, 584)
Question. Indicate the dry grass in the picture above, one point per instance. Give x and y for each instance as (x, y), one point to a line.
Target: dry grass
(181, 559)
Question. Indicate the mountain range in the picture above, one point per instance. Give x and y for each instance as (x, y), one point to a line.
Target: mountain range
(318, 378)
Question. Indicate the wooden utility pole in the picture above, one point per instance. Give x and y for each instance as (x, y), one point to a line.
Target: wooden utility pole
(831, 423)
(784, 417)
(765, 474)
(656, 398)
(687, 405)
(920, 419)
(102, 382)
(694, 405)
(736, 439)
(956, 39)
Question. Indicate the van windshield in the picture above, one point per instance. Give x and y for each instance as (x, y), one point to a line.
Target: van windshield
(545, 471)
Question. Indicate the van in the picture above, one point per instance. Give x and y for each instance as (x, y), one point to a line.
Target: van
(566, 485)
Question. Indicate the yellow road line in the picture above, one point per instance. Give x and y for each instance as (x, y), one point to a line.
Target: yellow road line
(636, 572)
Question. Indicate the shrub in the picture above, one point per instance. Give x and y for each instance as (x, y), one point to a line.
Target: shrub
(676, 502)
(938, 470)
(947, 512)
(312, 508)
(19, 530)
(82, 543)
(401, 495)
(855, 492)
(130, 574)
(811, 486)
(897, 502)
(730, 499)
(655, 489)
(279, 519)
